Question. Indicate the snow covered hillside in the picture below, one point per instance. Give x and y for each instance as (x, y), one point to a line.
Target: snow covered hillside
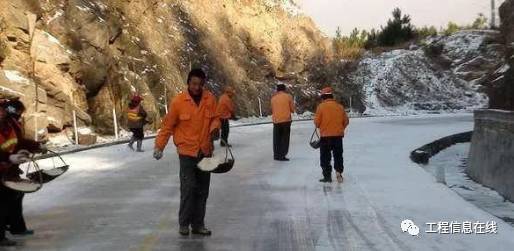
(445, 73)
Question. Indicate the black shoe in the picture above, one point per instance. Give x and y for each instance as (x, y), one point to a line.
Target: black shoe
(24, 233)
(202, 231)
(325, 180)
(225, 145)
(7, 243)
(282, 159)
(183, 231)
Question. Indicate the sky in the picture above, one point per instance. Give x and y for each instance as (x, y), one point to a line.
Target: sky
(367, 14)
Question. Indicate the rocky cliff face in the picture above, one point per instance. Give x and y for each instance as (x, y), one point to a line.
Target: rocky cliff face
(507, 20)
(501, 85)
(89, 56)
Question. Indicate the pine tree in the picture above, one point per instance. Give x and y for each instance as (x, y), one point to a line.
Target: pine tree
(398, 30)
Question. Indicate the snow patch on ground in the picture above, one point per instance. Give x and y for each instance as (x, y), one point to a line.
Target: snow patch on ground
(84, 130)
(267, 119)
(63, 141)
(58, 141)
(453, 161)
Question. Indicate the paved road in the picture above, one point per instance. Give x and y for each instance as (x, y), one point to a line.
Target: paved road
(112, 200)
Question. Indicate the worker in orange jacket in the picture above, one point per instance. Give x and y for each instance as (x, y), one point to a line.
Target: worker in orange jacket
(226, 111)
(193, 122)
(282, 106)
(136, 120)
(332, 120)
(14, 150)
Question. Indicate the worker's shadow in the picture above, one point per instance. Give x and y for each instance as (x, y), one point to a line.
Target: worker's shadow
(195, 243)
(327, 189)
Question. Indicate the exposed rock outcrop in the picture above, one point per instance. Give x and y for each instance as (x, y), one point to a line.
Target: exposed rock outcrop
(92, 55)
(501, 86)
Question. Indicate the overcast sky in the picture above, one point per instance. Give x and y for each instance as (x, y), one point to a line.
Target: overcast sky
(348, 14)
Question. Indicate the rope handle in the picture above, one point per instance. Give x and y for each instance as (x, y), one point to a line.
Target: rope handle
(314, 133)
(58, 156)
(227, 150)
(32, 161)
(36, 168)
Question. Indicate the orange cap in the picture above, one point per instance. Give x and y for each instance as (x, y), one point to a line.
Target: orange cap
(326, 91)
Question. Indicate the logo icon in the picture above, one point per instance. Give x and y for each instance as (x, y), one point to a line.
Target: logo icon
(409, 227)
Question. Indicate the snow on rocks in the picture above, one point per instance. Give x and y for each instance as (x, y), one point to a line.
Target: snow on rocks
(83, 8)
(84, 130)
(57, 14)
(402, 82)
(464, 44)
(289, 6)
(10, 91)
(59, 140)
(503, 69)
(16, 76)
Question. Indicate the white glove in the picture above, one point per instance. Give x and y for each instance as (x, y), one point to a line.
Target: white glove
(19, 158)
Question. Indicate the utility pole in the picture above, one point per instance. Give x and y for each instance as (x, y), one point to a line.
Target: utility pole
(165, 98)
(31, 20)
(351, 104)
(493, 14)
(260, 107)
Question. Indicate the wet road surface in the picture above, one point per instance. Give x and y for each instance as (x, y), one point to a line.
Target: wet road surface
(111, 200)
